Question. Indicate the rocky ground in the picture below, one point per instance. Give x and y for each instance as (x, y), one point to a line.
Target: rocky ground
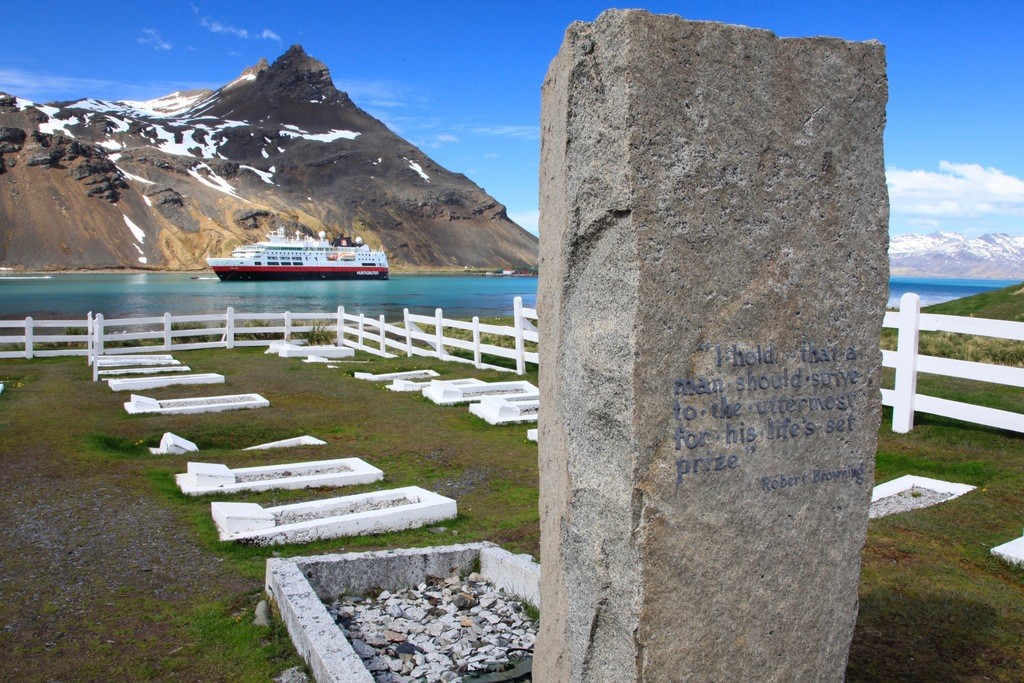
(441, 630)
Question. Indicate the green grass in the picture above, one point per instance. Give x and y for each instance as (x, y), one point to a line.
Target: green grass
(935, 604)
(1000, 304)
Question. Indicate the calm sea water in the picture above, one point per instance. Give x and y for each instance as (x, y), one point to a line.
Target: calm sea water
(935, 290)
(72, 296)
(116, 295)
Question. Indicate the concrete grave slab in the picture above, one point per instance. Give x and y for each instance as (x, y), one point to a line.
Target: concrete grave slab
(137, 383)
(366, 513)
(888, 499)
(141, 361)
(275, 347)
(499, 410)
(143, 370)
(304, 440)
(201, 404)
(172, 444)
(450, 393)
(292, 351)
(300, 586)
(406, 385)
(202, 478)
(1012, 552)
(392, 376)
(909, 481)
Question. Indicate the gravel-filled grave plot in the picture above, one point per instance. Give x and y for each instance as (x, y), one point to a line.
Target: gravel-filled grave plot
(440, 630)
(904, 501)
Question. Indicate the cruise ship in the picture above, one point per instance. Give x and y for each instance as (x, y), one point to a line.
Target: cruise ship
(282, 257)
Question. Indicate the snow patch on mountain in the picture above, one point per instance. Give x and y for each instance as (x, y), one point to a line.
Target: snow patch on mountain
(167, 106)
(140, 236)
(206, 175)
(329, 136)
(264, 175)
(419, 169)
(950, 254)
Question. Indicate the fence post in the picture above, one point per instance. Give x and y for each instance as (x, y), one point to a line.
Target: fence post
(383, 336)
(341, 326)
(287, 326)
(439, 332)
(362, 330)
(476, 342)
(88, 338)
(517, 304)
(229, 324)
(408, 332)
(168, 340)
(905, 388)
(28, 337)
(97, 346)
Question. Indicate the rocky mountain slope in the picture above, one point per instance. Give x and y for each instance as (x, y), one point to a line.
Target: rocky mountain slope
(165, 183)
(952, 255)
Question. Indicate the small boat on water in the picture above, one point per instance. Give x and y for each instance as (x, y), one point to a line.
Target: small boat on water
(281, 257)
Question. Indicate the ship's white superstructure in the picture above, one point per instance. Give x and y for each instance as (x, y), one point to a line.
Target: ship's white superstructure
(281, 257)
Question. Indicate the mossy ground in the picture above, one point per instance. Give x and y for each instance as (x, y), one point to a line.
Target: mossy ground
(107, 572)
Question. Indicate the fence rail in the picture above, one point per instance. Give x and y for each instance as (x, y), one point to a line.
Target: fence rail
(415, 335)
(472, 341)
(908, 363)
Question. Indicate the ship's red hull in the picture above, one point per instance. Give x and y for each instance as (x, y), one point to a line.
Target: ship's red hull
(254, 273)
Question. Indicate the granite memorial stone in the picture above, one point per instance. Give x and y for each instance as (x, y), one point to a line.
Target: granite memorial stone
(713, 280)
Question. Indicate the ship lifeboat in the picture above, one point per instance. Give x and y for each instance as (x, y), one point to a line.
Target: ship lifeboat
(332, 257)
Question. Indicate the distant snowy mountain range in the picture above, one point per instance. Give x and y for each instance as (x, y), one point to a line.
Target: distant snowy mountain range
(952, 255)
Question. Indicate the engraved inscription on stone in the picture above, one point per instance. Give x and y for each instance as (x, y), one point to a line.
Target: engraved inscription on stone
(761, 396)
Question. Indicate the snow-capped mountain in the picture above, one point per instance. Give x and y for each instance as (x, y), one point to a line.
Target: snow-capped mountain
(164, 183)
(952, 255)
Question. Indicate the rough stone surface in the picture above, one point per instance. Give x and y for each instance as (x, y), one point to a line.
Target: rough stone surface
(707, 187)
(262, 614)
(426, 631)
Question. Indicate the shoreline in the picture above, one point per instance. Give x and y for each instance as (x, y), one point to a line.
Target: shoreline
(208, 271)
(16, 272)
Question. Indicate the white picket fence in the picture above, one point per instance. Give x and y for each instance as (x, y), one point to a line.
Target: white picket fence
(417, 335)
(906, 360)
(423, 335)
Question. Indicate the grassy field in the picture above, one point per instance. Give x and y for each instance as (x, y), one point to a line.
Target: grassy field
(107, 572)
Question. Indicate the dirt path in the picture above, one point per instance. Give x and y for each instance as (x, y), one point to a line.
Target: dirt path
(96, 569)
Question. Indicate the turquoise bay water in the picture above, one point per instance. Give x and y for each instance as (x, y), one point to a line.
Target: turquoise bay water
(72, 296)
(115, 295)
(936, 290)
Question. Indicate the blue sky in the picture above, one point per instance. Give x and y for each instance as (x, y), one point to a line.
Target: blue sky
(462, 79)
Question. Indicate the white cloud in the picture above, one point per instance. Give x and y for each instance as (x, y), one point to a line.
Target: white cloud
(224, 29)
(958, 190)
(48, 87)
(152, 37)
(501, 130)
(528, 219)
(967, 198)
(228, 30)
(381, 94)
